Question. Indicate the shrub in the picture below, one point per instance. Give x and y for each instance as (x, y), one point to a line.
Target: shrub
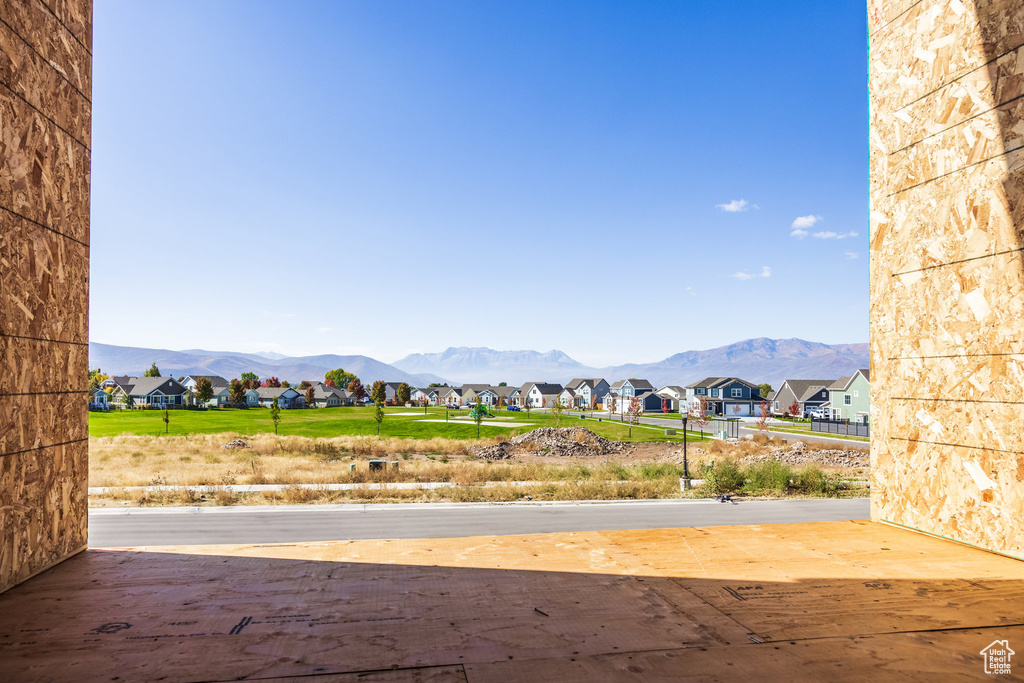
(770, 475)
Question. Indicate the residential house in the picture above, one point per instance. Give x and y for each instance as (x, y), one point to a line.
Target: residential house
(487, 396)
(849, 398)
(470, 391)
(622, 392)
(99, 399)
(504, 394)
(725, 396)
(451, 396)
(807, 394)
(435, 395)
(650, 401)
(589, 392)
(325, 396)
(515, 397)
(158, 392)
(417, 395)
(540, 394)
(286, 397)
(567, 398)
(216, 381)
(674, 394)
(252, 398)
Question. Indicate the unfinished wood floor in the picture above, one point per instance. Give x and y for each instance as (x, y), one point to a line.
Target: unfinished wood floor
(840, 600)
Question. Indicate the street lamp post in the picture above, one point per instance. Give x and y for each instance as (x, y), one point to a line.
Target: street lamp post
(686, 469)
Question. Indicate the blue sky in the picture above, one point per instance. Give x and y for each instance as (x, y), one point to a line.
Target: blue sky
(618, 180)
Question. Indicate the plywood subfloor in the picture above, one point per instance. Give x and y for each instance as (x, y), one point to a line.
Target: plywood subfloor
(841, 600)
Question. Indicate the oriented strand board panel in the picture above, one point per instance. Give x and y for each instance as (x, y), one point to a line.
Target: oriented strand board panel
(832, 601)
(947, 268)
(45, 134)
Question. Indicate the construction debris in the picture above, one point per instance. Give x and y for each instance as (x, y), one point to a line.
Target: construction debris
(567, 441)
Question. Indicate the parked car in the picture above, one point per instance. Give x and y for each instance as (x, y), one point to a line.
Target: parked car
(816, 413)
(514, 409)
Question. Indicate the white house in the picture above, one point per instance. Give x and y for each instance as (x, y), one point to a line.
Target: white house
(540, 394)
(589, 391)
(675, 395)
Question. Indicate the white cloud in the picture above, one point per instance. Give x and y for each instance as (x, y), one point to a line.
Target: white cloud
(805, 221)
(735, 206)
(798, 233)
(689, 290)
(765, 272)
(852, 255)
(829, 235)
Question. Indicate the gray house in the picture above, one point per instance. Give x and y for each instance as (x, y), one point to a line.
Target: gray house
(725, 396)
(589, 391)
(157, 392)
(286, 397)
(807, 394)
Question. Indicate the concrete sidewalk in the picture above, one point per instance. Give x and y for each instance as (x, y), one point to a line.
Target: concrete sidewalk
(834, 600)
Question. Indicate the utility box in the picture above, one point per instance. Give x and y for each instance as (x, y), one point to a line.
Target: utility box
(377, 464)
(670, 432)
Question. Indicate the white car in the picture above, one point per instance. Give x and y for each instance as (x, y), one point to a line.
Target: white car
(816, 413)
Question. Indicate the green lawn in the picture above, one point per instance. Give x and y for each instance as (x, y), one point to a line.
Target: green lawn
(330, 422)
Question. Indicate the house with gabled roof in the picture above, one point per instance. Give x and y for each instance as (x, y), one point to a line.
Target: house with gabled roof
(156, 392)
(451, 396)
(725, 396)
(216, 381)
(849, 398)
(540, 394)
(807, 394)
(286, 397)
(567, 398)
(589, 391)
(673, 394)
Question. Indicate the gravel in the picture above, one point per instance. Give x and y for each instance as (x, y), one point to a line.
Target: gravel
(564, 442)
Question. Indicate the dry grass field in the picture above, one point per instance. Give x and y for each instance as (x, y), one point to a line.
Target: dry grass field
(200, 460)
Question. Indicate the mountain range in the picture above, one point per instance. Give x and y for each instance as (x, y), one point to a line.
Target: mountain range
(134, 361)
(756, 360)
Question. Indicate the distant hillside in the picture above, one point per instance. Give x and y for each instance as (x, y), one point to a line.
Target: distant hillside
(756, 360)
(479, 365)
(130, 360)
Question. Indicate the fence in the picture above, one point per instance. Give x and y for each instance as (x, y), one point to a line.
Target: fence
(843, 427)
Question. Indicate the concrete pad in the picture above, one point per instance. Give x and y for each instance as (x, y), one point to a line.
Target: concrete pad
(482, 424)
(841, 600)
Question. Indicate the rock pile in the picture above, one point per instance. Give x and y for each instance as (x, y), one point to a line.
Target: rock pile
(800, 453)
(237, 443)
(567, 441)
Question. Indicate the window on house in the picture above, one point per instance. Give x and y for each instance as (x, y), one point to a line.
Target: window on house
(714, 392)
(856, 393)
(737, 392)
(847, 399)
(776, 406)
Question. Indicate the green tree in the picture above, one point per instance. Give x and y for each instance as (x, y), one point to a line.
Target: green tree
(378, 414)
(557, 408)
(153, 371)
(204, 389)
(340, 377)
(237, 390)
(478, 414)
(379, 392)
(304, 385)
(403, 393)
(167, 421)
(764, 389)
(275, 413)
(249, 376)
(285, 384)
(502, 384)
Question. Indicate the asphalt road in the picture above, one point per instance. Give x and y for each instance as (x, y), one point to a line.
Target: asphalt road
(751, 431)
(303, 523)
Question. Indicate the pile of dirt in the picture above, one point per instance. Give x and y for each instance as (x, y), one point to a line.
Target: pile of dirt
(237, 443)
(564, 442)
(800, 453)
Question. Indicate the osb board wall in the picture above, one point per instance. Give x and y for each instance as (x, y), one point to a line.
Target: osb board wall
(947, 268)
(45, 138)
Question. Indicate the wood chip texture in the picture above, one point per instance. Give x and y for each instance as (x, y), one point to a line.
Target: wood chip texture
(45, 138)
(947, 268)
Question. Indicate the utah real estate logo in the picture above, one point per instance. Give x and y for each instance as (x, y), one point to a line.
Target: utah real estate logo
(997, 657)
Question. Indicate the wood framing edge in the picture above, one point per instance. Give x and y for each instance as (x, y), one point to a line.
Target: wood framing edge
(1019, 558)
(47, 567)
